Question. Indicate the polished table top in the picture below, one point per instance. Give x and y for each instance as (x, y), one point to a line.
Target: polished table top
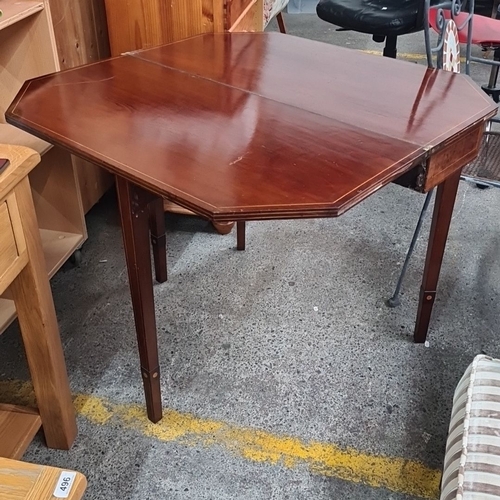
(225, 125)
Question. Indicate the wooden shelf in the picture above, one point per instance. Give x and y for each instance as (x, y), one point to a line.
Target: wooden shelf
(28, 50)
(13, 135)
(17, 10)
(18, 426)
(7, 313)
(58, 246)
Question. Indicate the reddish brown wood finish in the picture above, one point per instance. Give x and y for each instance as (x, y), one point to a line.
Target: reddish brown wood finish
(455, 155)
(158, 239)
(443, 211)
(240, 235)
(255, 127)
(134, 213)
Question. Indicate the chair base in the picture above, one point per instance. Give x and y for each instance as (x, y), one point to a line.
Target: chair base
(494, 93)
(390, 48)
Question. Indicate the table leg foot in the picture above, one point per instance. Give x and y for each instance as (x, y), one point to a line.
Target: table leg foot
(152, 390)
(158, 239)
(134, 212)
(443, 211)
(240, 235)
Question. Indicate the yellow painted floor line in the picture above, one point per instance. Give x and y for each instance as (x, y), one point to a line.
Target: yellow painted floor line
(325, 459)
(408, 56)
(403, 55)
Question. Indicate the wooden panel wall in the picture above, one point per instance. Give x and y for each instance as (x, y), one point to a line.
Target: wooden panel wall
(136, 24)
(81, 34)
(81, 31)
(250, 19)
(234, 9)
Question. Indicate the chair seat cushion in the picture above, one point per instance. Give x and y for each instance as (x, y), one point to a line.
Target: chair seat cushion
(472, 460)
(376, 17)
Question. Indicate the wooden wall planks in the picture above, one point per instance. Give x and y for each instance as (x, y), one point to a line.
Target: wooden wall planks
(81, 34)
(149, 23)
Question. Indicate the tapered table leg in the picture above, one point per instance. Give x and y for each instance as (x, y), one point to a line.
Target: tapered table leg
(158, 238)
(40, 333)
(240, 235)
(441, 218)
(134, 214)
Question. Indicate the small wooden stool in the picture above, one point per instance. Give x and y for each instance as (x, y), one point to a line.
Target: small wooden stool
(22, 271)
(23, 481)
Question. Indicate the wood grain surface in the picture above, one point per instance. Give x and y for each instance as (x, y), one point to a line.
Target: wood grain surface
(253, 126)
(25, 481)
(148, 23)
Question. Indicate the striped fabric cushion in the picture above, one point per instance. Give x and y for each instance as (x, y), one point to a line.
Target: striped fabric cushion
(472, 460)
(272, 8)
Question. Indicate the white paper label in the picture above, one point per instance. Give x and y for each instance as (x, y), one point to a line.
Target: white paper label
(64, 484)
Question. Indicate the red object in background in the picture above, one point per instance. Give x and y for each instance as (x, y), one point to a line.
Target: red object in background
(485, 31)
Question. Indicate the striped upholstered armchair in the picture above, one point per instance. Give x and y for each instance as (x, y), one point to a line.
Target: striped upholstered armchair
(472, 460)
(274, 8)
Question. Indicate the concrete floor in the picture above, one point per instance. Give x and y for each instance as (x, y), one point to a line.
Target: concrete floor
(289, 342)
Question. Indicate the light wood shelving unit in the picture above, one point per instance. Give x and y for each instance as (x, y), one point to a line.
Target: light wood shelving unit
(28, 49)
(16, 11)
(23, 273)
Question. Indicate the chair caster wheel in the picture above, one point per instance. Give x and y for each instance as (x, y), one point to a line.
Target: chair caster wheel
(76, 258)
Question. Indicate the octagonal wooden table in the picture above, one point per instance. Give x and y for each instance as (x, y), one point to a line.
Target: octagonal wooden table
(258, 127)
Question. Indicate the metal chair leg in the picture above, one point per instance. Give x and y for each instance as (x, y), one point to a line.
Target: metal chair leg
(394, 301)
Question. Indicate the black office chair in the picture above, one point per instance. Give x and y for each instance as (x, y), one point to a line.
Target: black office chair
(385, 20)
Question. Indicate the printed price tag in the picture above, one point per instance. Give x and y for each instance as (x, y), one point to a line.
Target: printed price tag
(64, 484)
